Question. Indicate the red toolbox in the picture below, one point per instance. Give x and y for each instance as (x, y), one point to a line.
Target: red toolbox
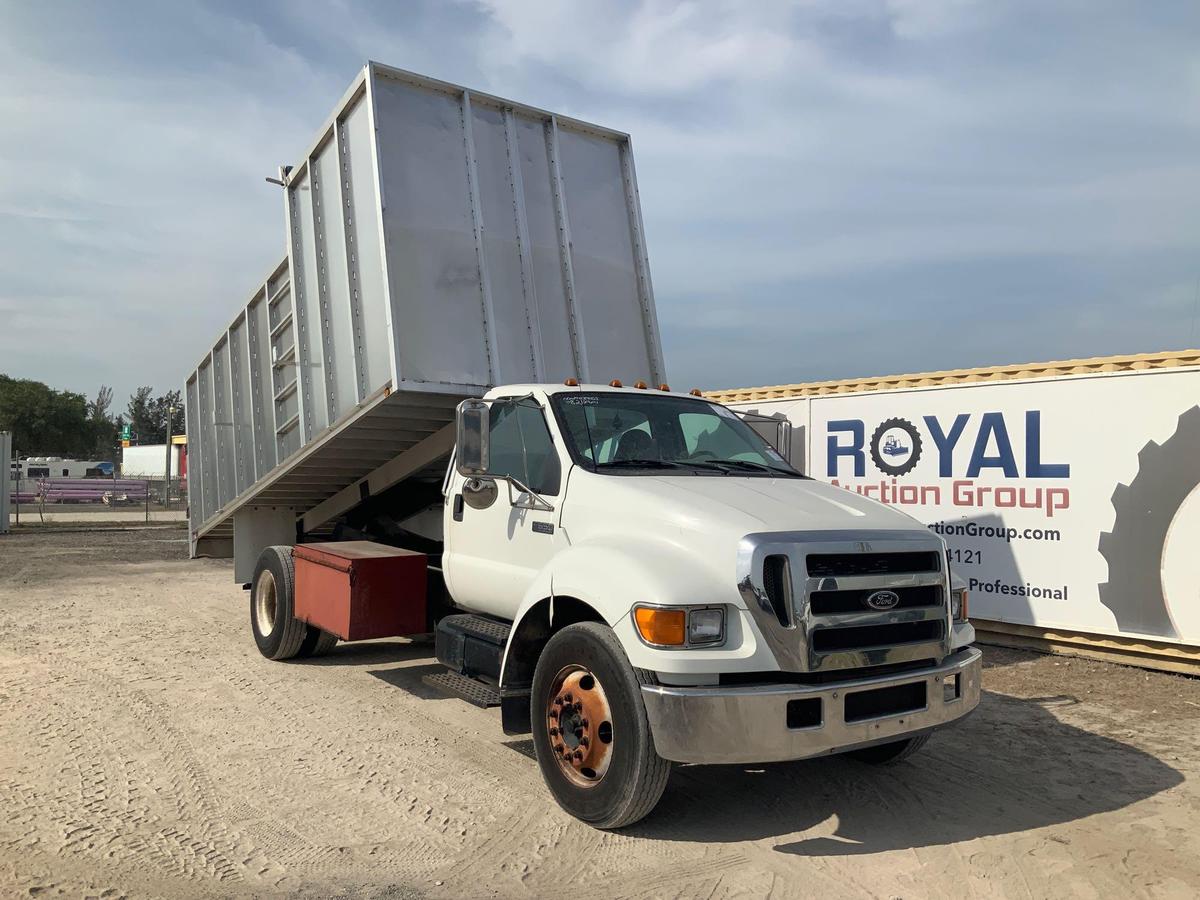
(360, 590)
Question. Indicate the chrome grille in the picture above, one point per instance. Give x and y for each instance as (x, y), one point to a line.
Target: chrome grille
(823, 565)
(871, 637)
(820, 620)
(825, 603)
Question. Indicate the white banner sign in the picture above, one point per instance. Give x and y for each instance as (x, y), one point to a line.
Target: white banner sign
(1066, 502)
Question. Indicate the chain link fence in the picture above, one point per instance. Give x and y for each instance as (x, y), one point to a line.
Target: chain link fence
(47, 500)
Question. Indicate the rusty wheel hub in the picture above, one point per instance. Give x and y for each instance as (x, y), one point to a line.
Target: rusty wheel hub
(579, 724)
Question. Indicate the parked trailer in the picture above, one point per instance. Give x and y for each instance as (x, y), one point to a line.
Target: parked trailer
(57, 467)
(399, 434)
(149, 461)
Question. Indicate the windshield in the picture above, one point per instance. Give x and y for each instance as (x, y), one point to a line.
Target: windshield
(642, 433)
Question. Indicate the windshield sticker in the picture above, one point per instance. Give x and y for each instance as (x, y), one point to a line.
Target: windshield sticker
(582, 399)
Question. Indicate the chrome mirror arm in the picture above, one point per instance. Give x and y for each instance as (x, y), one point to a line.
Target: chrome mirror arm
(536, 500)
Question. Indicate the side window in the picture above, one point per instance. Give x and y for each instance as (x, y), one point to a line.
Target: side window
(521, 447)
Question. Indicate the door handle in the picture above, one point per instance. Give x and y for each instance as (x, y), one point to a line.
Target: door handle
(458, 507)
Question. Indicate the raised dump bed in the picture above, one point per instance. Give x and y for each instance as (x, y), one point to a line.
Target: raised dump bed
(439, 241)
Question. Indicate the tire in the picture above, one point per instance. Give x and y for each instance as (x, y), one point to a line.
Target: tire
(277, 632)
(630, 776)
(890, 754)
(316, 643)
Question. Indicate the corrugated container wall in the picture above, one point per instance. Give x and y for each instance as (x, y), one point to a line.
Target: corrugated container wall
(439, 242)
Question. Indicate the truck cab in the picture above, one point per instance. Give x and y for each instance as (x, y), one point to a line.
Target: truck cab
(663, 575)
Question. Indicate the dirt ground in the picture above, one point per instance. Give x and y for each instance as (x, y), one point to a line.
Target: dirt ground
(147, 749)
(96, 513)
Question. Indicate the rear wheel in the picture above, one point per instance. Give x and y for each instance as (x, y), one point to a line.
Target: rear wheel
(590, 730)
(277, 632)
(890, 754)
(316, 643)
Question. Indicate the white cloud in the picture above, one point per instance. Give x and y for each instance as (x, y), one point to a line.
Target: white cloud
(792, 158)
(647, 48)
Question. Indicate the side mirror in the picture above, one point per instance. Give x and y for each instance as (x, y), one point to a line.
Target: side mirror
(472, 454)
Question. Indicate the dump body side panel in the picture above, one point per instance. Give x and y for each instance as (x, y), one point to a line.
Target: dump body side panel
(440, 241)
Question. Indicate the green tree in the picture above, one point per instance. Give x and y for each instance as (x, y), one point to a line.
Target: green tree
(140, 415)
(103, 428)
(147, 415)
(43, 421)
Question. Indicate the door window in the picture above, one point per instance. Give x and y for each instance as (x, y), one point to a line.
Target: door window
(521, 446)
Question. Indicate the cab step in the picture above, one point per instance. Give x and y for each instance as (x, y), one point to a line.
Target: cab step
(472, 645)
(476, 692)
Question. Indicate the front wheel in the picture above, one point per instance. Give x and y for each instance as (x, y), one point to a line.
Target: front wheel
(590, 730)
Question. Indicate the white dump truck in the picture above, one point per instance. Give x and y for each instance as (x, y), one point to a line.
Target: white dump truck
(401, 433)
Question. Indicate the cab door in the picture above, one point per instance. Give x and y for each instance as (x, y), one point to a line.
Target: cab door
(494, 549)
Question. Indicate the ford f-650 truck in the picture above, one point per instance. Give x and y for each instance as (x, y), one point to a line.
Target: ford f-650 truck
(633, 575)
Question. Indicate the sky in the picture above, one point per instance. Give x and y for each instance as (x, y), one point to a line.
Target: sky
(830, 188)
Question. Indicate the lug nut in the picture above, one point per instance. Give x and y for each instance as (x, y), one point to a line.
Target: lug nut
(558, 748)
(583, 723)
(583, 742)
(578, 754)
(553, 732)
(558, 701)
(567, 698)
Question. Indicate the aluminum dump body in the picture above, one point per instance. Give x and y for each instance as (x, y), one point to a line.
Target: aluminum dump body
(439, 242)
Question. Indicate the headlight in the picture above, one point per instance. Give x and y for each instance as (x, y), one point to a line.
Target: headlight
(680, 626)
(706, 626)
(958, 604)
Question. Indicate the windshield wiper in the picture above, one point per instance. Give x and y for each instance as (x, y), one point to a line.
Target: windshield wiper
(642, 464)
(747, 465)
(693, 467)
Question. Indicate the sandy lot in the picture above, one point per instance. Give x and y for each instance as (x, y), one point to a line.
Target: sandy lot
(146, 749)
(98, 513)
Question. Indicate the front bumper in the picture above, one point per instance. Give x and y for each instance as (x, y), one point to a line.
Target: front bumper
(749, 724)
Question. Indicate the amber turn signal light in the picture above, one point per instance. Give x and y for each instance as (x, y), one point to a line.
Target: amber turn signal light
(662, 627)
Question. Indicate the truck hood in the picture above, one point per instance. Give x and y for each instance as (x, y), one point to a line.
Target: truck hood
(739, 505)
(680, 535)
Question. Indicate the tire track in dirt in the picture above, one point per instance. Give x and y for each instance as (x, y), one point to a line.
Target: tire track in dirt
(95, 807)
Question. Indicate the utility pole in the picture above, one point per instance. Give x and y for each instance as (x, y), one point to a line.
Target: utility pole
(167, 477)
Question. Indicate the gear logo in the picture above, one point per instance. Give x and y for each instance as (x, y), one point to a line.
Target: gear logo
(896, 446)
(1148, 522)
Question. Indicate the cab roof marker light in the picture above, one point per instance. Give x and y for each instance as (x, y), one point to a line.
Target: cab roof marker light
(571, 382)
(640, 385)
(616, 382)
(696, 392)
(664, 387)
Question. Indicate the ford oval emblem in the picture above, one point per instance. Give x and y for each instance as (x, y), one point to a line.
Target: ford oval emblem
(882, 600)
